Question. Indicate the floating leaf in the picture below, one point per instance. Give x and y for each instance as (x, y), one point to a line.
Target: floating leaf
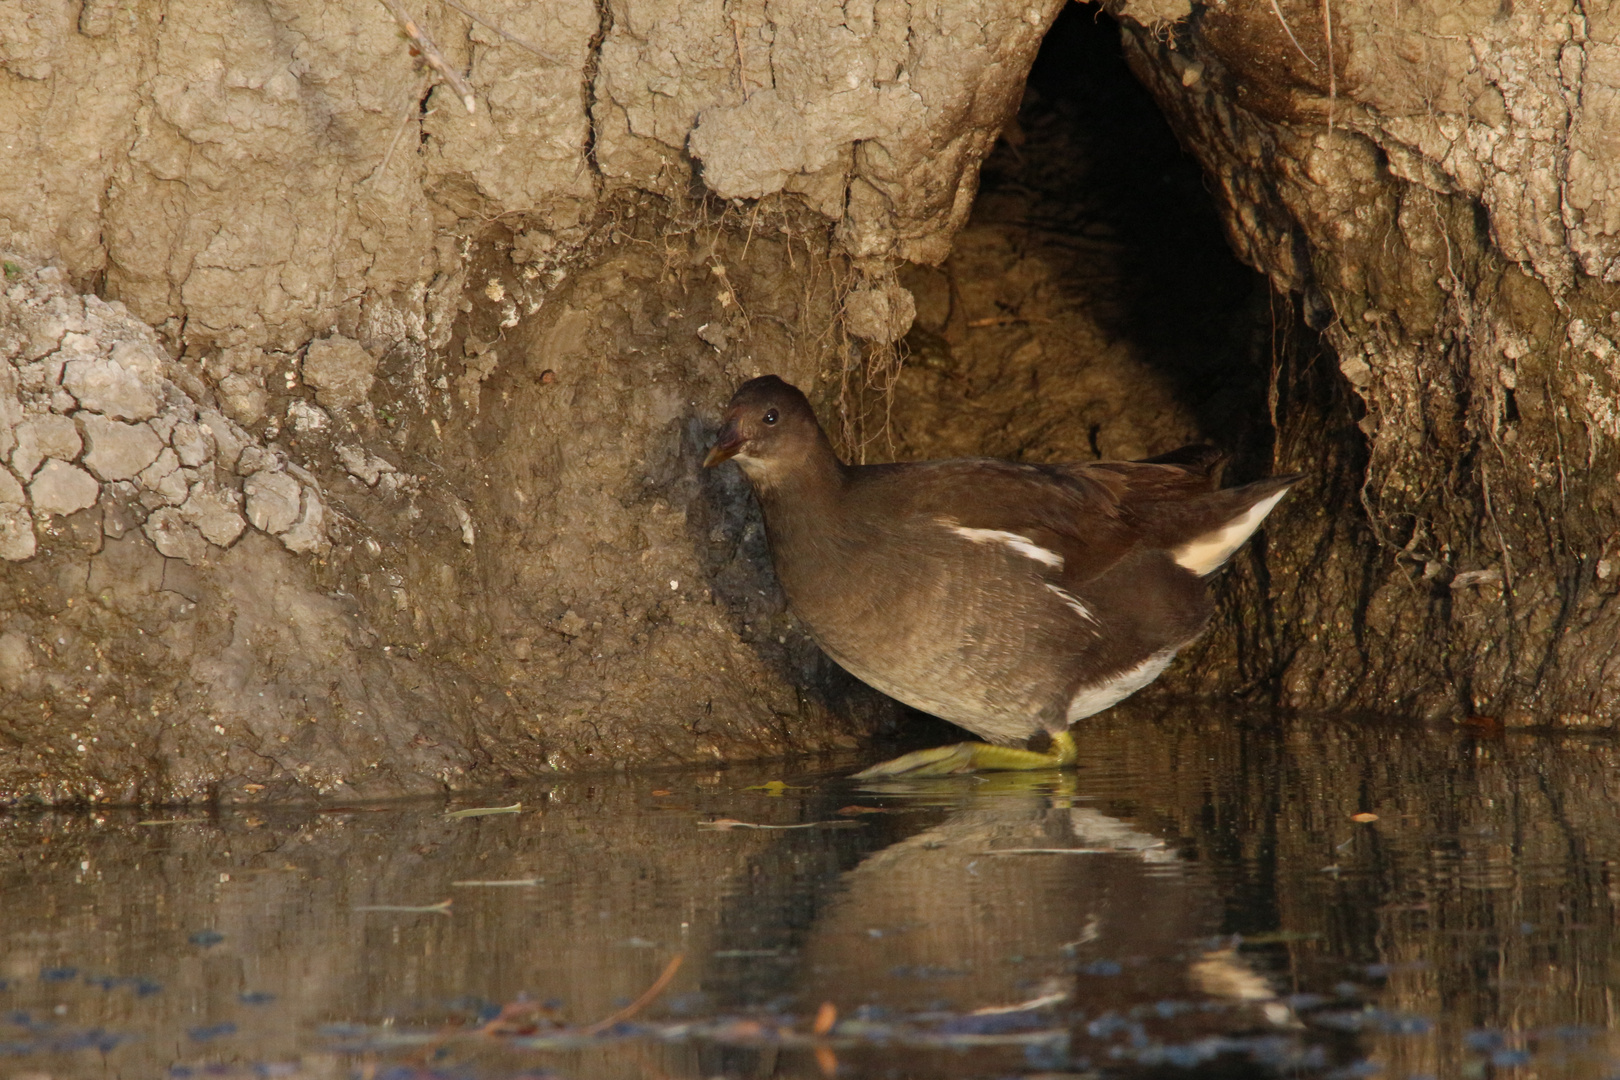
(773, 787)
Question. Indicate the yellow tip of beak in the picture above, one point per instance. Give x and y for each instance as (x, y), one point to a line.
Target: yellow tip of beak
(720, 452)
(727, 443)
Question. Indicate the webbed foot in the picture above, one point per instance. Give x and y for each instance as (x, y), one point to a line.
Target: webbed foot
(968, 757)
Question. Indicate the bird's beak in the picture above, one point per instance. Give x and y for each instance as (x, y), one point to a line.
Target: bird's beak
(726, 444)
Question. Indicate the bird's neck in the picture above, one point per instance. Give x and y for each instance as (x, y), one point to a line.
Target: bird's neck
(801, 498)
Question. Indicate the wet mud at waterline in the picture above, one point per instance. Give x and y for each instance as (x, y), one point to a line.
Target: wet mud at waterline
(1203, 894)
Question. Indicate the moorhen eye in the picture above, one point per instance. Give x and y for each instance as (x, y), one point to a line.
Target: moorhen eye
(770, 416)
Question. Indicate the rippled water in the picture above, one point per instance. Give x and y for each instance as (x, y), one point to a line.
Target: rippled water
(1198, 897)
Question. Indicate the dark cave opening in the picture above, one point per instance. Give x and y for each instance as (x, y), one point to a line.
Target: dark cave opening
(1091, 307)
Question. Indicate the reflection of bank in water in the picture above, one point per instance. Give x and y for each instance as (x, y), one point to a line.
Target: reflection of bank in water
(1022, 906)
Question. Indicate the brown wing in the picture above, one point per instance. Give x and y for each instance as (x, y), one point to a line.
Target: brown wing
(1091, 514)
(1190, 470)
(1078, 515)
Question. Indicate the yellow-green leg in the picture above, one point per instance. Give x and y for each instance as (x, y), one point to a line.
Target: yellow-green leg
(970, 757)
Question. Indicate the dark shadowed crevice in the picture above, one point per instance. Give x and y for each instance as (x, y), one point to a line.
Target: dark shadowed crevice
(1091, 307)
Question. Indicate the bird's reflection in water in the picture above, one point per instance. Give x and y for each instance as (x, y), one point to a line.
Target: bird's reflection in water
(1030, 909)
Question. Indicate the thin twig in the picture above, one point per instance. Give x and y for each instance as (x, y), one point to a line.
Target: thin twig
(1496, 526)
(732, 823)
(547, 57)
(641, 1002)
(430, 52)
(1290, 34)
(1327, 32)
(412, 105)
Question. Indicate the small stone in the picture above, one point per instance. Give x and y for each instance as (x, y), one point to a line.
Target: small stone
(244, 397)
(60, 488)
(110, 388)
(368, 468)
(174, 536)
(715, 335)
(215, 512)
(883, 314)
(306, 418)
(341, 371)
(119, 451)
(41, 436)
(310, 532)
(16, 532)
(193, 442)
(272, 500)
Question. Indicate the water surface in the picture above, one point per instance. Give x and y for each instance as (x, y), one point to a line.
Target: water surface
(1205, 894)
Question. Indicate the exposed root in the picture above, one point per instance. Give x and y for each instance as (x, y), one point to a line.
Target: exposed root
(1275, 7)
(1333, 87)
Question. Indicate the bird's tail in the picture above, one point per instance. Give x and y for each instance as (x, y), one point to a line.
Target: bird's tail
(1202, 532)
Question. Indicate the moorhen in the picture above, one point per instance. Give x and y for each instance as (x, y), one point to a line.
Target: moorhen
(1009, 599)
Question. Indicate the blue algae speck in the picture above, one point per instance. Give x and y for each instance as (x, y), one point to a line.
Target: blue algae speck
(1048, 1057)
(1483, 1041)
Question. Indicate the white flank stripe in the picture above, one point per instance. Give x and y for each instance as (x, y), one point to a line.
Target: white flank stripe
(1094, 699)
(1205, 554)
(1021, 544)
(1074, 603)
